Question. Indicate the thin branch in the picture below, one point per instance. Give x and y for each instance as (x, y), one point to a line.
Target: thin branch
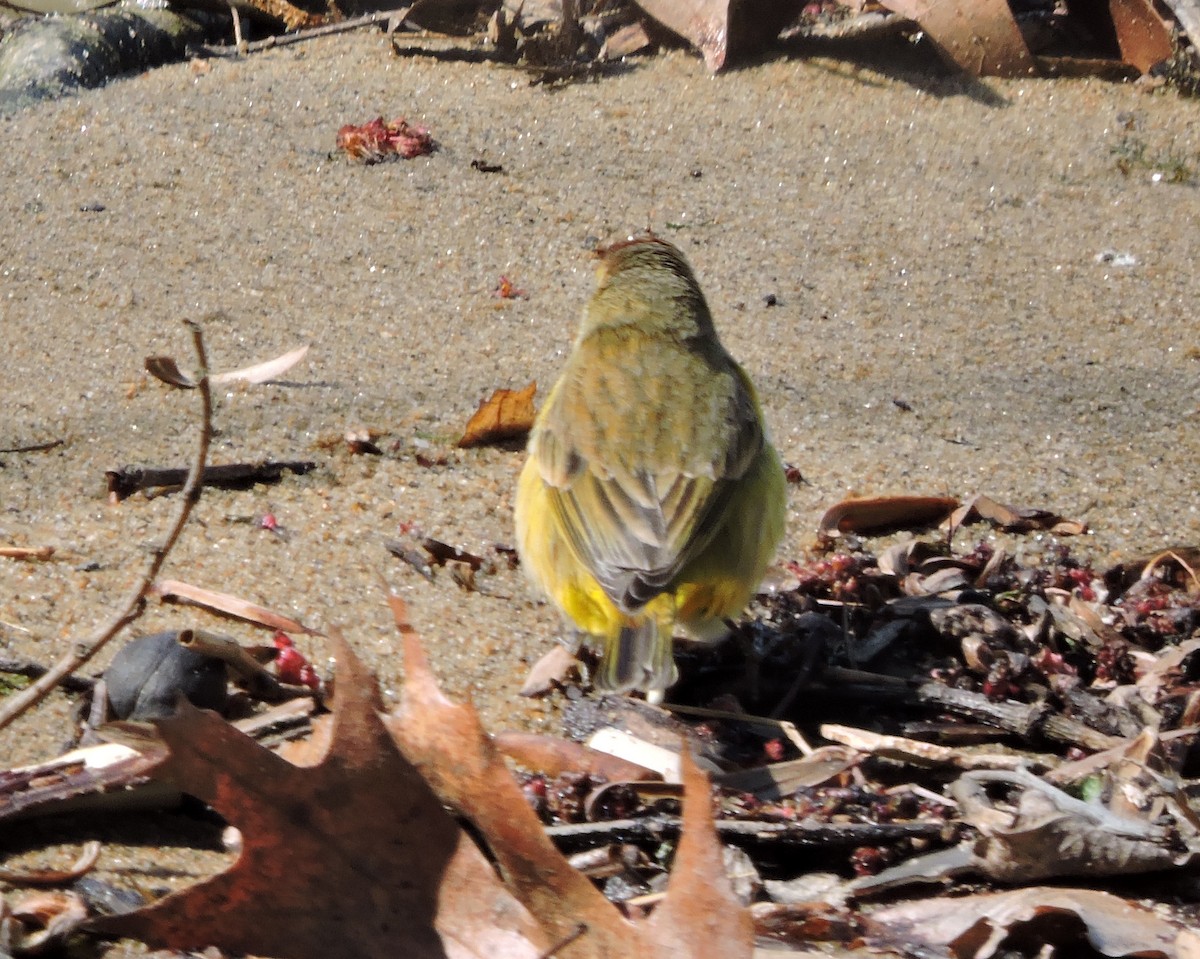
(282, 40)
(132, 606)
(239, 42)
(33, 447)
(804, 832)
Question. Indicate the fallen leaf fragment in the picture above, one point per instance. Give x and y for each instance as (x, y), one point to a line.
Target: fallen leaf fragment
(1183, 561)
(781, 779)
(442, 553)
(411, 554)
(723, 30)
(554, 756)
(1176, 561)
(429, 728)
(362, 440)
(700, 914)
(41, 921)
(624, 42)
(625, 746)
(980, 37)
(975, 927)
(550, 672)
(505, 415)
(376, 141)
(1046, 833)
(1143, 36)
(176, 591)
(884, 512)
(166, 370)
(1187, 12)
(1014, 518)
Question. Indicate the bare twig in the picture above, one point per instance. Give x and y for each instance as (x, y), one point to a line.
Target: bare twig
(570, 937)
(133, 604)
(26, 552)
(1027, 720)
(239, 42)
(33, 447)
(282, 40)
(809, 833)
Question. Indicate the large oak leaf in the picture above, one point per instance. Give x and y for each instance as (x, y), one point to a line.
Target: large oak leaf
(354, 855)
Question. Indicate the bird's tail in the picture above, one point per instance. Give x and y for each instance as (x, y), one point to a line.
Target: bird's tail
(639, 657)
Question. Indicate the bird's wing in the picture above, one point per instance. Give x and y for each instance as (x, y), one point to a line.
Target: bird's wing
(634, 530)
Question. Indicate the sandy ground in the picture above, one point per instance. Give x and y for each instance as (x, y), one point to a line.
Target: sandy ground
(930, 243)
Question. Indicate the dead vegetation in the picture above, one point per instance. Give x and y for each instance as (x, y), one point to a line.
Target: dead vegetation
(985, 756)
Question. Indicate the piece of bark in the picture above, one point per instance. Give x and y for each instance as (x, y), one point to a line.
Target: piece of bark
(129, 479)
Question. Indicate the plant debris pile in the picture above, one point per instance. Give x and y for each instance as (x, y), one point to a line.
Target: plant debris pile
(884, 729)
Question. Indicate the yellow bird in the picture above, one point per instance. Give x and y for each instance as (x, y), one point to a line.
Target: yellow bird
(651, 499)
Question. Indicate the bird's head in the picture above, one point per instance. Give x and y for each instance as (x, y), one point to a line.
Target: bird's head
(645, 282)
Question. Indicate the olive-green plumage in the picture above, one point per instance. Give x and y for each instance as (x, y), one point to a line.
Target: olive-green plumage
(651, 498)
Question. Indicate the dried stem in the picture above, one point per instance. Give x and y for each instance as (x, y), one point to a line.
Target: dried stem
(242, 47)
(132, 606)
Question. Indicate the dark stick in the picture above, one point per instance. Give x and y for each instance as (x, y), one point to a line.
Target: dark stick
(588, 835)
(130, 479)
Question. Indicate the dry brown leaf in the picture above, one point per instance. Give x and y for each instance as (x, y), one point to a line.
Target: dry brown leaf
(723, 30)
(1143, 36)
(353, 856)
(1185, 561)
(975, 927)
(505, 415)
(883, 512)
(549, 672)
(41, 922)
(980, 37)
(1182, 562)
(554, 756)
(777, 780)
(699, 916)
(166, 370)
(174, 590)
(429, 729)
(1016, 519)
